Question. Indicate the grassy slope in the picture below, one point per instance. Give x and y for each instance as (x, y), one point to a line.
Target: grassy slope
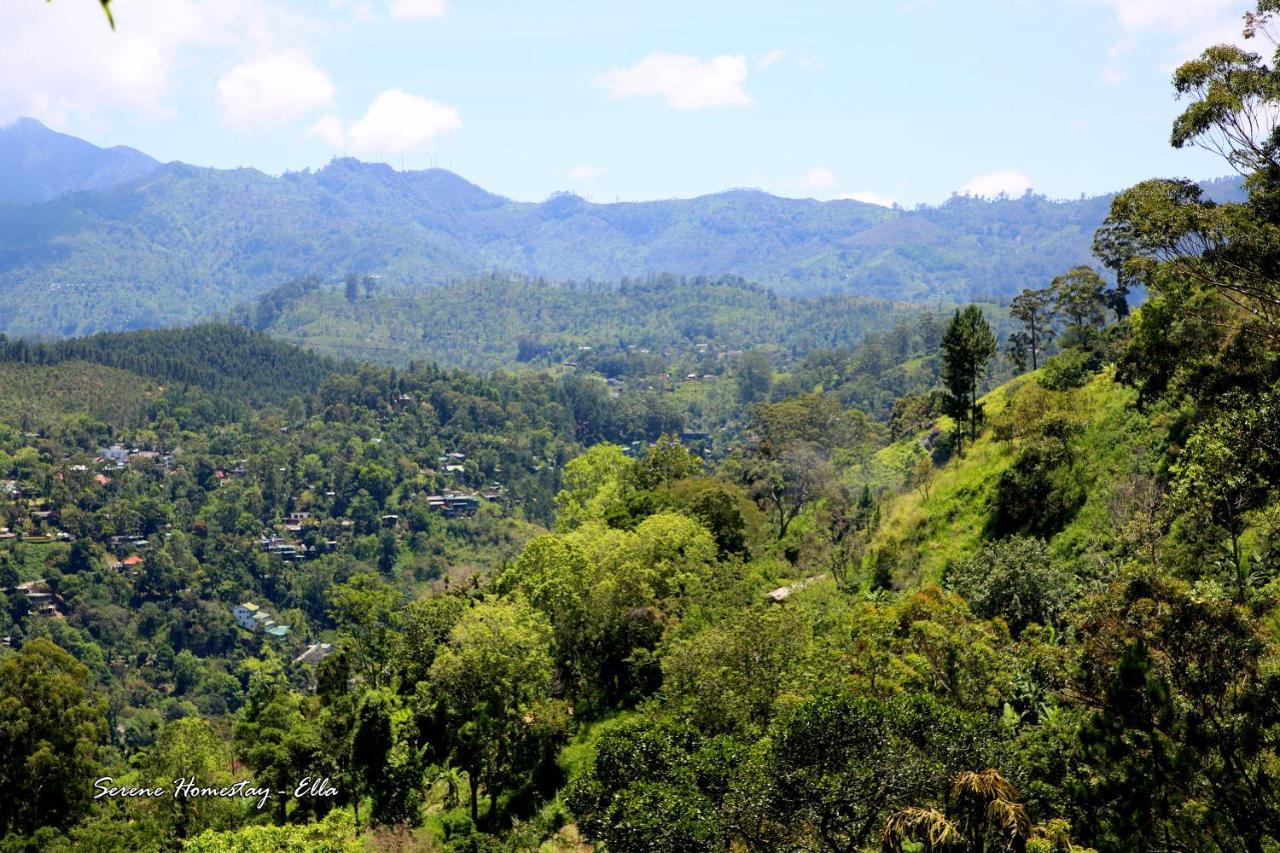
(921, 536)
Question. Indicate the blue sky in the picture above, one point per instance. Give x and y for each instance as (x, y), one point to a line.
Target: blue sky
(901, 100)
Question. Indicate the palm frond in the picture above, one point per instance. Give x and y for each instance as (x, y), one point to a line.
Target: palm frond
(928, 826)
(985, 785)
(1009, 818)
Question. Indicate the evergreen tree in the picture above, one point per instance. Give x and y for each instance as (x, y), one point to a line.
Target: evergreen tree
(967, 346)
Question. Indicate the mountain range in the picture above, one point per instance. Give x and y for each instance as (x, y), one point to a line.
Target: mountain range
(95, 239)
(38, 164)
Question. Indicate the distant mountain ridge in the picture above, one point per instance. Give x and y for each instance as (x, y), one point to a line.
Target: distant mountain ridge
(179, 243)
(38, 164)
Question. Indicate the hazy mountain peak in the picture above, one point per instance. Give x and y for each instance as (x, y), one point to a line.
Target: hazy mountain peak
(38, 164)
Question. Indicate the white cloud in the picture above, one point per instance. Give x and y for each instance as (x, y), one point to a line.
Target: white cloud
(771, 58)
(1113, 75)
(990, 185)
(418, 8)
(870, 198)
(397, 123)
(59, 63)
(1226, 31)
(585, 172)
(685, 82)
(819, 177)
(329, 128)
(1186, 27)
(362, 11)
(1168, 16)
(273, 91)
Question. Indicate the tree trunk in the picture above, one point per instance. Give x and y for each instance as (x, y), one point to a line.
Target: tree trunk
(475, 806)
(973, 409)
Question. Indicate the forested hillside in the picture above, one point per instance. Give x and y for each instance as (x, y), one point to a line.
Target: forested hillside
(504, 321)
(220, 359)
(683, 565)
(183, 243)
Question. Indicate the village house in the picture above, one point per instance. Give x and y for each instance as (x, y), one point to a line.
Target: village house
(40, 597)
(253, 618)
(315, 653)
(454, 504)
(244, 614)
(115, 453)
(285, 550)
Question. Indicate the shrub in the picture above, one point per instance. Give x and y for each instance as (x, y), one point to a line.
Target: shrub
(1016, 579)
(1068, 369)
(1039, 493)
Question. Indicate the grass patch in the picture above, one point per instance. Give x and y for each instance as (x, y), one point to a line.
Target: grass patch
(919, 536)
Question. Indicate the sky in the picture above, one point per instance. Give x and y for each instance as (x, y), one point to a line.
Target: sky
(904, 101)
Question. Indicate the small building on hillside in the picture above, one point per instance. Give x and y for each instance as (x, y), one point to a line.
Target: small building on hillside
(244, 614)
(115, 453)
(253, 618)
(40, 597)
(454, 504)
(315, 653)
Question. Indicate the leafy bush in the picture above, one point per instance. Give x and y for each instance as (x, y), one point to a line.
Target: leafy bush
(1068, 369)
(1039, 493)
(1016, 579)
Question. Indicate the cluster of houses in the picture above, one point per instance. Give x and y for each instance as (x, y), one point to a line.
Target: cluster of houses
(452, 463)
(253, 618)
(282, 548)
(454, 504)
(221, 476)
(42, 527)
(122, 456)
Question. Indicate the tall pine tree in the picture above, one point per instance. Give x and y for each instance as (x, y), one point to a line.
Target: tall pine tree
(967, 346)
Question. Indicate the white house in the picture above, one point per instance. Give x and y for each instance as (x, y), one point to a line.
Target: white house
(115, 453)
(251, 617)
(245, 614)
